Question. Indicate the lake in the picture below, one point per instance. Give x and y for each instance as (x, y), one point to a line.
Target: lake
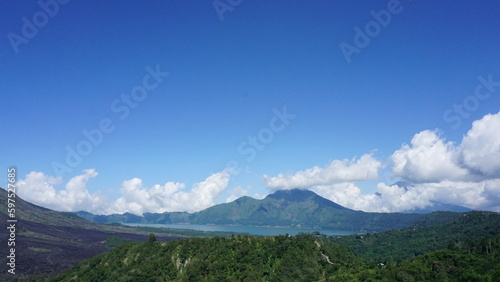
(254, 230)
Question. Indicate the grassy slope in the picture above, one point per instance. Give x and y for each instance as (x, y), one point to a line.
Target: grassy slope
(280, 258)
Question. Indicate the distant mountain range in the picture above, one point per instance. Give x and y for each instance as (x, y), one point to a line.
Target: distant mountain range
(295, 208)
(438, 206)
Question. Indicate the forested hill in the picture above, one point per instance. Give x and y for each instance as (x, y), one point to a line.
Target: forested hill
(282, 258)
(434, 232)
(226, 259)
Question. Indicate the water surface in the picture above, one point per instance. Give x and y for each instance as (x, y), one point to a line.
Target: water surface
(253, 230)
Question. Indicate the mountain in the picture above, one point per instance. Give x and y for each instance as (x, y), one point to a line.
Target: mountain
(237, 258)
(438, 206)
(123, 218)
(296, 208)
(297, 195)
(299, 208)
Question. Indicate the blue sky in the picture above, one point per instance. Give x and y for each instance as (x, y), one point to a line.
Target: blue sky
(229, 72)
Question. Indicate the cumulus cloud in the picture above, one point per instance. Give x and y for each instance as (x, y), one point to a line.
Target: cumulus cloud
(338, 171)
(427, 159)
(348, 195)
(465, 174)
(138, 199)
(430, 159)
(41, 189)
(484, 195)
(237, 193)
(480, 148)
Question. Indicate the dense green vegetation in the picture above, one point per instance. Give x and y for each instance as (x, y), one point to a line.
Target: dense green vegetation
(467, 248)
(425, 236)
(467, 261)
(301, 258)
(115, 241)
(280, 258)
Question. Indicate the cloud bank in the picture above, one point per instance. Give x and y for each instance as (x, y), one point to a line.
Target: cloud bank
(338, 171)
(40, 189)
(466, 174)
(431, 159)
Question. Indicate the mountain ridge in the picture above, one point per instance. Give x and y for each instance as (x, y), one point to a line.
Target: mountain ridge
(293, 208)
(299, 194)
(48, 241)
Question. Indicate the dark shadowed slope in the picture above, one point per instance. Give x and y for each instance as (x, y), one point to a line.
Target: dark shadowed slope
(48, 241)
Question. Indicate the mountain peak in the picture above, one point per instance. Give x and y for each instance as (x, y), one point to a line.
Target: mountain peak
(301, 195)
(294, 195)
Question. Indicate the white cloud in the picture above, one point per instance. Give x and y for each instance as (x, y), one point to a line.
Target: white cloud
(338, 171)
(480, 149)
(430, 159)
(484, 195)
(40, 189)
(467, 174)
(138, 199)
(202, 195)
(347, 195)
(237, 193)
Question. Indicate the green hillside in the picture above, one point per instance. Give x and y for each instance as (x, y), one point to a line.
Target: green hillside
(441, 247)
(425, 236)
(282, 258)
(302, 208)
